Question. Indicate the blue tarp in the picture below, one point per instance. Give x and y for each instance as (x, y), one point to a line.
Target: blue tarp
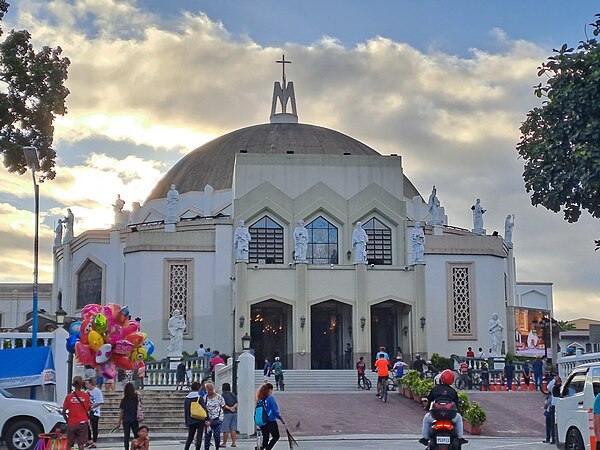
(29, 366)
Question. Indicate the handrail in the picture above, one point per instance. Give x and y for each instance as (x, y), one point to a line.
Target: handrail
(11, 339)
(566, 364)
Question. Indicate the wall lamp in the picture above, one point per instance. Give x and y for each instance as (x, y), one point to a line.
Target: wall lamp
(349, 254)
(242, 319)
(302, 322)
(423, 320)
(405, 329)
(363, 322)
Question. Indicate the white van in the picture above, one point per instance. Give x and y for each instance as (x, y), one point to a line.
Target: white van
(573, 408)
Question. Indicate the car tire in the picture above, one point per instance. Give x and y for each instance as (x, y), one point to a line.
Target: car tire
(22, 435)
(574, 441)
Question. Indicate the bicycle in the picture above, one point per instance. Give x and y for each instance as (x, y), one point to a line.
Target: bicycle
(364, 383)
(384, 390)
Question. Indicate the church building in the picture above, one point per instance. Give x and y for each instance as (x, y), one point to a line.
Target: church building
(423, 287)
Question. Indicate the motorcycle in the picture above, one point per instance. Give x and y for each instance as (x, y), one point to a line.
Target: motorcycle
(442, 434)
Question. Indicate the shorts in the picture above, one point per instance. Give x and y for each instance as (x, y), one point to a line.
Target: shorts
(77, 434)
(229, 423)
(382, 379)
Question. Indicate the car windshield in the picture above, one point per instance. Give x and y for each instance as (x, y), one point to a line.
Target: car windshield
(5, 394)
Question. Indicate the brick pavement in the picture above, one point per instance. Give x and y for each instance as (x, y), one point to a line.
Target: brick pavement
(514, 414)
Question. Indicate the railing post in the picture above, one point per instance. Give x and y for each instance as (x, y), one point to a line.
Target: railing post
(61, 362)
(246, 394)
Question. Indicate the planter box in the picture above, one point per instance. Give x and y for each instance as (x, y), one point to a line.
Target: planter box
(472, 429)
(406, 392)
(416, 397)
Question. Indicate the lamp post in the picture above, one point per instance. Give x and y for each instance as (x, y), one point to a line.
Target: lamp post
(33, 163)
(246, 342)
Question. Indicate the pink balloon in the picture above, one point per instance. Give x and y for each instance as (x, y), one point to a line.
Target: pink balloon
(108, 370)
(114, 333)
(86, 327)
(90, 310)
(136, 338)
(123, 347)
(85, 355)
(131, 326)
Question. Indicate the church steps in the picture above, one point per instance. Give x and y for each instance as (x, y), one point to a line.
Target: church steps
(317, 380)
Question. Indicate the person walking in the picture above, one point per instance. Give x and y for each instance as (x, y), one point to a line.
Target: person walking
(270, 429)
(128, 417)
(96, 400)
(76, 408)
(538, 372)
(216, 359)
(214, 407)
(229, 425)
(277, 369)
(418, 364)
(195, 426)
(180, 376)
(267, 371)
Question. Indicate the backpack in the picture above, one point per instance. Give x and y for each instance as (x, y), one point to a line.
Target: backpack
(261, 416)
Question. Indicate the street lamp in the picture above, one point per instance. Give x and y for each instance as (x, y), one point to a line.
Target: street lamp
(60, 316)
(246, 342)
(33, 163)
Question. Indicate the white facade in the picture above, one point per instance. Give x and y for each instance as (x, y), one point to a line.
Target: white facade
(16, 303)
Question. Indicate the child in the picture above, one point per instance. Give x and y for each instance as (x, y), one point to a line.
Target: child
(141, 442)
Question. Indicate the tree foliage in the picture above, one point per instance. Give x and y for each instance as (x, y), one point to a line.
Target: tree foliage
(560, 141)
(32, 93)
(566, 325)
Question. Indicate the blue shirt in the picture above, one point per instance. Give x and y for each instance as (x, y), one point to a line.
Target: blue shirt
(385, 355)
(272, 409)
(597, 404)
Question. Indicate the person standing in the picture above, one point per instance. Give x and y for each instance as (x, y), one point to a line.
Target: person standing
(229, 425)
(463, 378)
(141, 373)
(470, 353)
(201, 352)
(551, 396)
(509, 374)
(485, 375)
(418, 364)
(128, 416)
(277, 369)
(267, 371)
(180, 375)
(214, 408)
(348, 356)
(216, 359)
(527, 374)
(96, 400)
(270, 429)
(76, 408)
(596, 412)
(398, 368)
(361, 367)
(195, 426)
(538, 372)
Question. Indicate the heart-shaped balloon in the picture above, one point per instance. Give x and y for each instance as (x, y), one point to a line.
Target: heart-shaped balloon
(84, 354)
(108, 370)
(123, 362)
(136, 338)
(90, 310)
(131, 326)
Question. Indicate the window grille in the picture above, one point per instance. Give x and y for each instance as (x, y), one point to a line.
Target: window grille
(178, 288)
(461, 302)
(379, 247)
(89, 284)
(266, 246)
(322, 242)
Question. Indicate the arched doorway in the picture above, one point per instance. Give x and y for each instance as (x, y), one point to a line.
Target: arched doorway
(390, 328)
(330, 331)
(271, 332)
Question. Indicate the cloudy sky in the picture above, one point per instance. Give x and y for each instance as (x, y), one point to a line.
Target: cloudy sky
(444, 84)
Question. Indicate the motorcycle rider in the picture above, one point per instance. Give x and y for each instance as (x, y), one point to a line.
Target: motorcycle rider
(443, 390)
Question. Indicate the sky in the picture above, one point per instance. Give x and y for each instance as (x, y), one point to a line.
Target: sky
(445, 85)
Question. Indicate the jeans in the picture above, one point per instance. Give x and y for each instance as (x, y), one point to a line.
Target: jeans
(194, 429)
(537, 379)
(509, 382)
(127, 428)
(270, 429)
(457, 421)
(550, 424)
(212, 431)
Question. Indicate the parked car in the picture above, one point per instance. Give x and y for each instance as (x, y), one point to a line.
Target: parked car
(22, 420)
(573, 407)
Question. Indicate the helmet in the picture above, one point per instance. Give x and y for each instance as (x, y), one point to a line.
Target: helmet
(447, 377)
(277, 358)
(382, 349)
(436, 380)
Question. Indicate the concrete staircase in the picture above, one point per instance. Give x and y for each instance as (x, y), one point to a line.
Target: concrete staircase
(318, 380)
(163, 410)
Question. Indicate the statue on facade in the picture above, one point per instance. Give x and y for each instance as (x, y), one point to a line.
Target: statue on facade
(359, 244)
(172, 202)
(68, 221)
(58, 232)
(434, 208)
(417, 241)
(241, 242)
(300, 242)
(176, 327)
(478, 212)
(496, 329)
(118, 210)
(509, 224)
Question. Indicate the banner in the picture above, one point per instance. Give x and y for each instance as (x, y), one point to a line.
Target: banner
(530, 339)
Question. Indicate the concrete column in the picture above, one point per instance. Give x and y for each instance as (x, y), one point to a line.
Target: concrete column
(246, 394)
(301, 337)
(114, 287)
(68, 278)
(241, 304)
(61, 363)
(419, 333)
(361, 337)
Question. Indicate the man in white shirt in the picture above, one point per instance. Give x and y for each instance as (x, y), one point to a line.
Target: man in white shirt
(96, 399)
(553, 394)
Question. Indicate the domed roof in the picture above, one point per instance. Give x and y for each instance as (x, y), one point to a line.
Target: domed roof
(213, 162)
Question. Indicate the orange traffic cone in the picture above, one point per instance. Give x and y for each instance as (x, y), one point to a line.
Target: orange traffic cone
(531, 386)
(591, 429)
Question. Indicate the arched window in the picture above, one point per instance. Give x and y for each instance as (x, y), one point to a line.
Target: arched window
(266, 245)
(89, 284)
(379, 247)
(322, 242)
(588, 347)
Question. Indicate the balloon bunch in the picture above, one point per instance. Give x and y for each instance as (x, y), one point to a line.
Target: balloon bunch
(106, 339)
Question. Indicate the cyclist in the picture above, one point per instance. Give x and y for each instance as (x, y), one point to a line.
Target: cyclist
(445, 391)
(399, 367)
(382, 352)
(361, 366)
(382, 367)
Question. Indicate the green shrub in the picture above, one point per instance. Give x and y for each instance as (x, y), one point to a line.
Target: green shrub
(463, 402)
(476, 414)
(424, 386)
(410, 380)
(442, 363)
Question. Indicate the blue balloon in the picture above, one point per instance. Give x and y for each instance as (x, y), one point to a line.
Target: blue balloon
(71, 341)
(148, 345)
(75, 328)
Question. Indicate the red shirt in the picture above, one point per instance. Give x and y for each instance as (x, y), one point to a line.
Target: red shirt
(383, 367)
(77, 411)
(470, 355)
(216, 360)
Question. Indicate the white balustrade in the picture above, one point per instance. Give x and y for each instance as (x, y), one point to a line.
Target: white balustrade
(17, 339)
(567, 363)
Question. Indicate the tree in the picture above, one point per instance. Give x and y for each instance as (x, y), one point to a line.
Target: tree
(32, 93)
(566, 325)
(560, 141)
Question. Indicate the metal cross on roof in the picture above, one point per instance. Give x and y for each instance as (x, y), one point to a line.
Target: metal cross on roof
(283, 62)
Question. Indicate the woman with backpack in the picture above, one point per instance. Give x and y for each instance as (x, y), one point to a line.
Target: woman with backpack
(214, 407)
(193, 416)
(131, 414)
(265, 399)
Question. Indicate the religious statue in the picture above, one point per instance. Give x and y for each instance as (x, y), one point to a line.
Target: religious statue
(118, 210)
(300, 242)
(509, 224)
(68, 221)
(434, 208)
(58, 231)
(417, 240)
(478, 212)
(172, 201)
(241, 242)
(176, 327)
(496, 329)
(359, 244)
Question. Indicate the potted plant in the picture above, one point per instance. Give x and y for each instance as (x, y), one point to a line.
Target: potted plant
(463, 403)
(422, 389)
(409, 381)
(474, 418)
